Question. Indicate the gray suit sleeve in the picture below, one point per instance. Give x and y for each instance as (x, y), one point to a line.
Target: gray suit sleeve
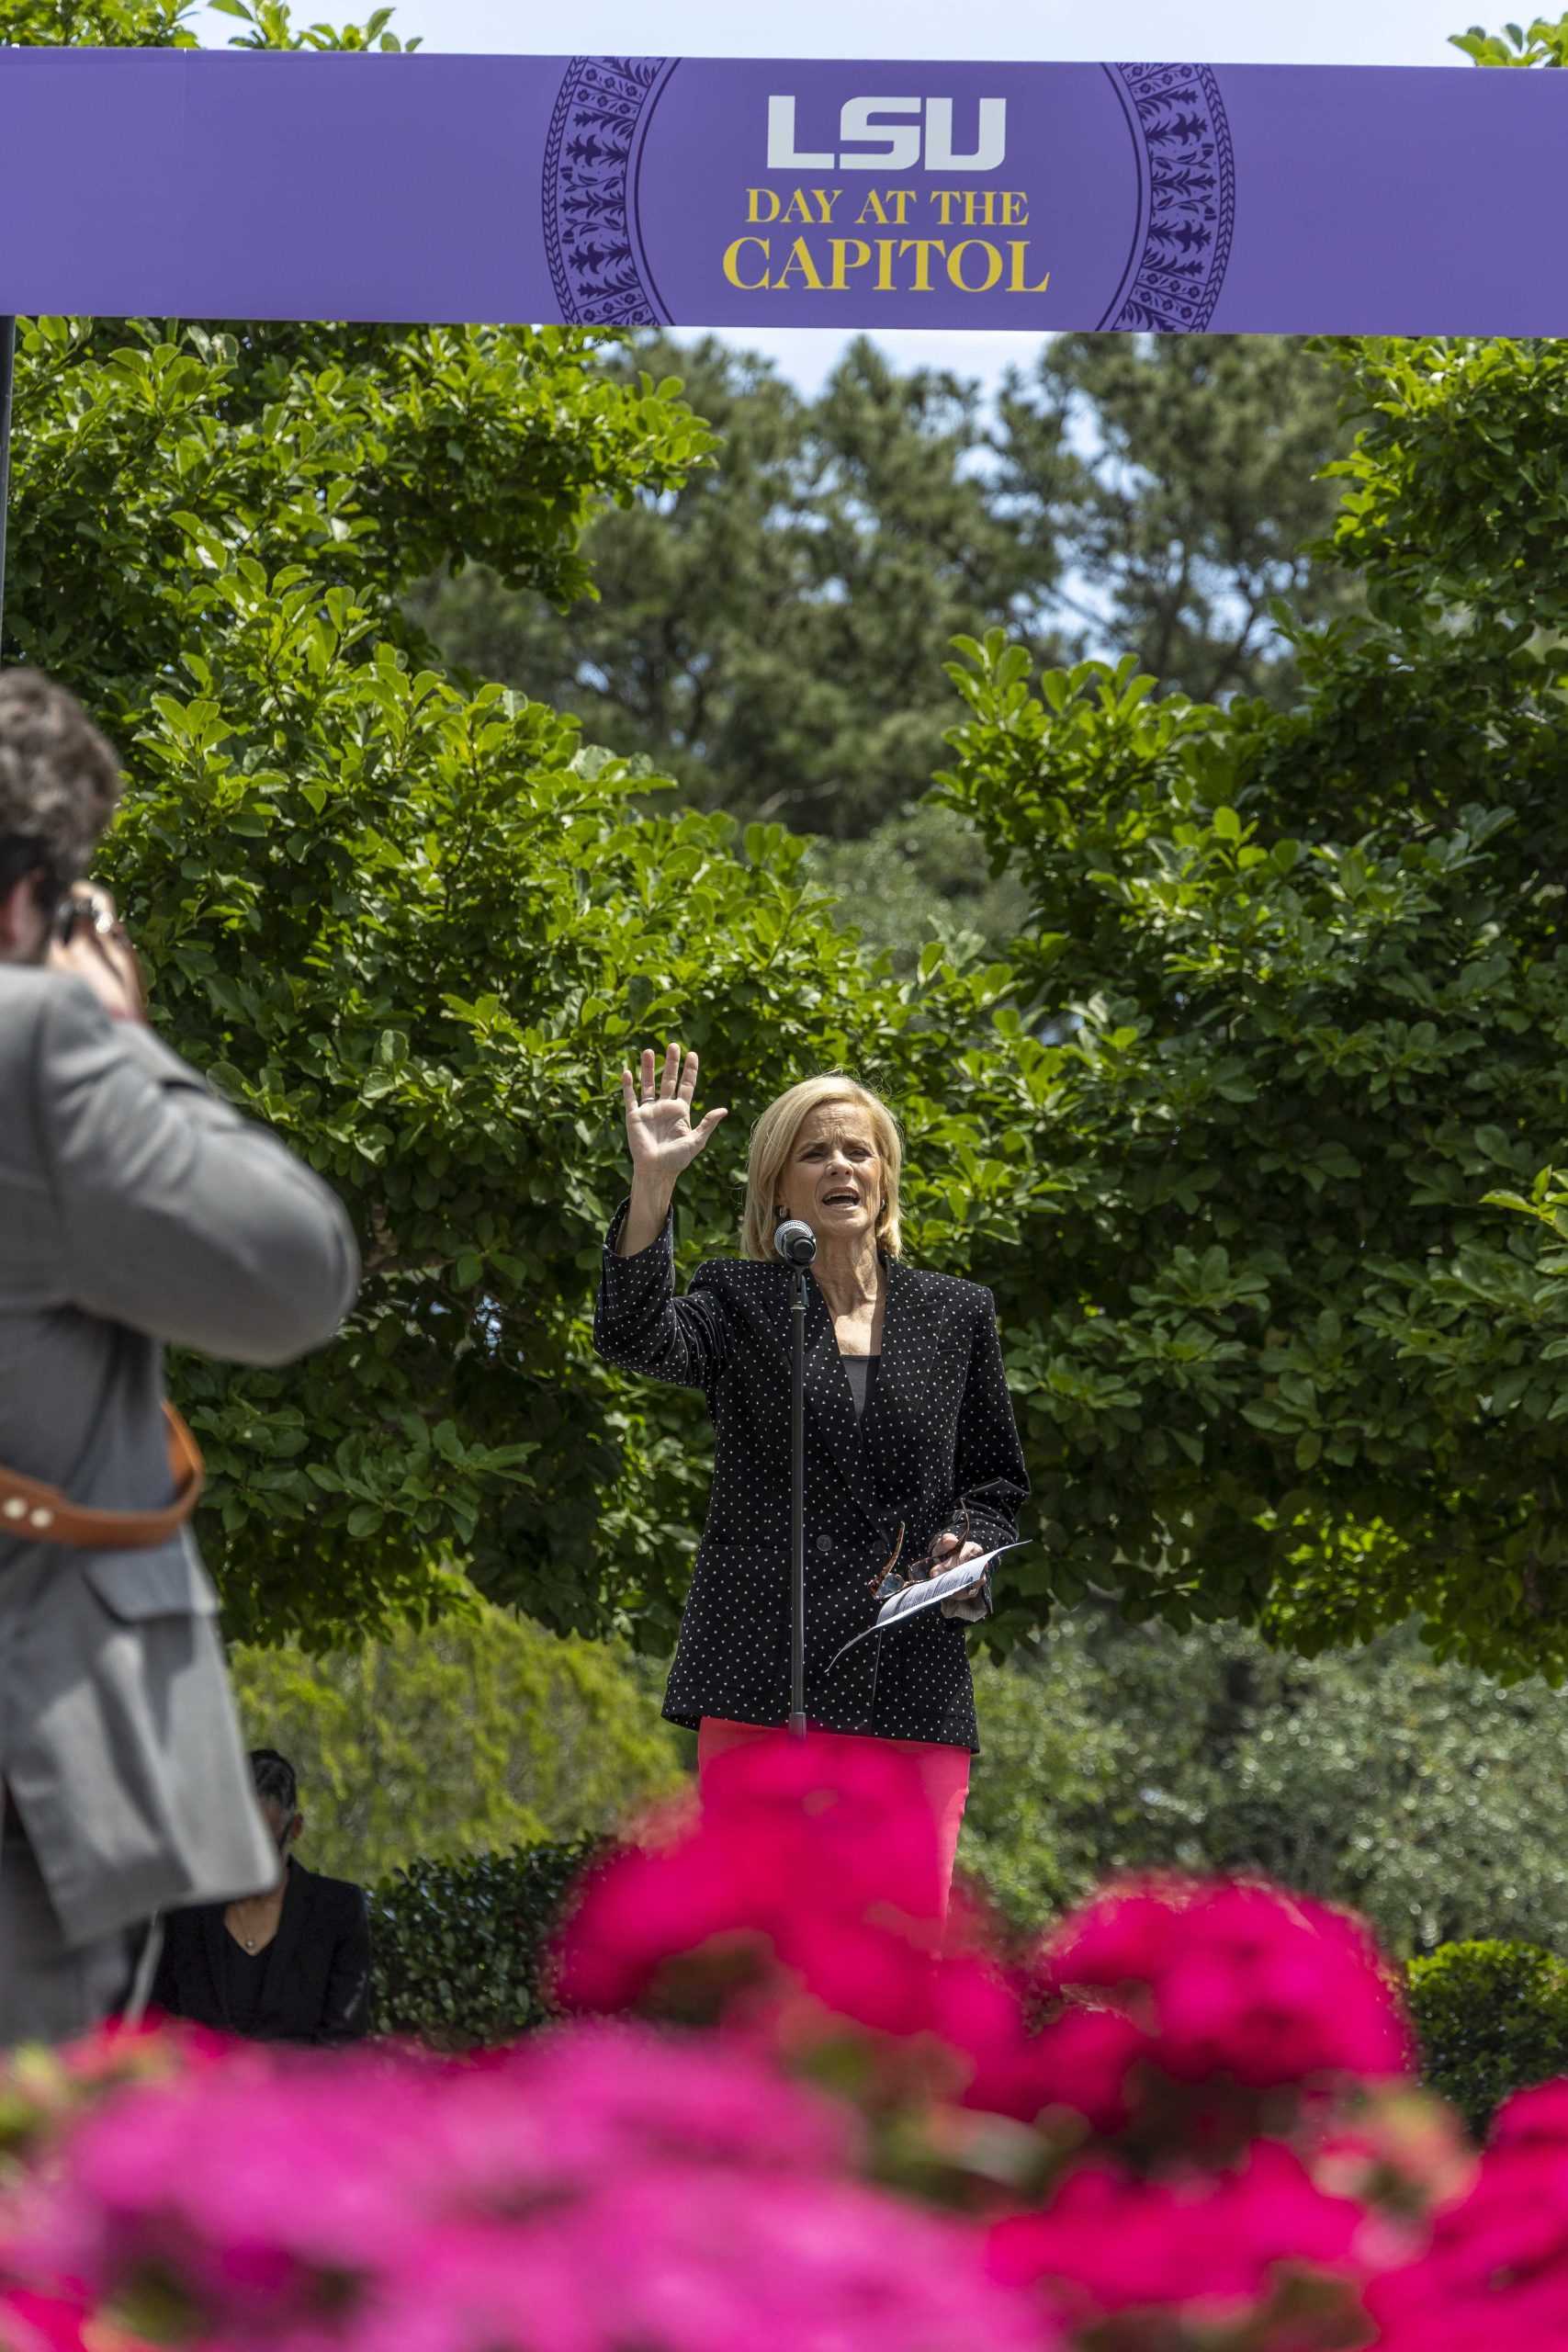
(177, 1217)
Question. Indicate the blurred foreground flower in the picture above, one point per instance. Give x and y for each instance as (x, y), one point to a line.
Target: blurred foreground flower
(839, 2124)
(1495, 2279)
(593, 2190)
(1190, 2121)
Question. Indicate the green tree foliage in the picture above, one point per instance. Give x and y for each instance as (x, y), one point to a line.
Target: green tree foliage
(413, 927)
(1176, 482)
(96, 24)
(921, 880)
(1420, 1794)
(482, 1733)
(773, 633)
(1294, 1364)
(1541, 42)
(417, 927)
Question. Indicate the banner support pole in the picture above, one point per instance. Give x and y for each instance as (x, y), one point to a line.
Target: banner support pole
(7, 372)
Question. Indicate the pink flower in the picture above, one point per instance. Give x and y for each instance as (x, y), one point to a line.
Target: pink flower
(1087, 2061)
(598, 2186)
(32, 2323)
(1533, 2119)
(1235, 1981)
(1495, 2273)
(1120, 1940)
(1209, 2245)
(253, 2183)
(569, 2107)
(693, 2259)
(815, 1858)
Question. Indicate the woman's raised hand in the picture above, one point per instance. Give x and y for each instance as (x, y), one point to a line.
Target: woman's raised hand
(659, 1127)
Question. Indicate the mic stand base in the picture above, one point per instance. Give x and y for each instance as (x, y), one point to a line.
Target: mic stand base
(797, 1726)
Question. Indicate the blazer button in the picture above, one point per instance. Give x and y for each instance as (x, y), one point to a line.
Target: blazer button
(824, 1544)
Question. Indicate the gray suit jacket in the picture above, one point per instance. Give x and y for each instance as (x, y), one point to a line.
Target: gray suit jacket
(136, 1208)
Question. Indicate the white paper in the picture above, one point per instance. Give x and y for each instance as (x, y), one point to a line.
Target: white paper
(916, 1597)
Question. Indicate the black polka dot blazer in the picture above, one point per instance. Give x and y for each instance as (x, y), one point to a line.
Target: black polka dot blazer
(936, 1436)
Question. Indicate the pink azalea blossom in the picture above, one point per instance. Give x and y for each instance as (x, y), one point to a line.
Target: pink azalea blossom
(684, 2258)
(1216, 2112)
(599, 2186)
(34, 2323)
(1209, 2245)
(1494, 2278)
(817, 1857)
(1235, 1981)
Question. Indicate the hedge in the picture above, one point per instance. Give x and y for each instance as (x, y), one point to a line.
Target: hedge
(1492, 2018)
(459, 1961)
(458, 1947)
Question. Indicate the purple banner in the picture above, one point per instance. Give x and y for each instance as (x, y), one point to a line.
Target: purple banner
(698, 192)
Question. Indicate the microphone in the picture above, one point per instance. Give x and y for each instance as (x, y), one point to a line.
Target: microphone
(795, 1241)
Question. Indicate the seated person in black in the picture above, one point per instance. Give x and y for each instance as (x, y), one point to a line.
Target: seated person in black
(293, 1966)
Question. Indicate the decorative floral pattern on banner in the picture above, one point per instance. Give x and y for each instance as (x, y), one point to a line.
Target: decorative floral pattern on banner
(1188, 214)
(590, 208)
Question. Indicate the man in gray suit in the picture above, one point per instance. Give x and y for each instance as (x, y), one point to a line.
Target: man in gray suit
(136, 1209)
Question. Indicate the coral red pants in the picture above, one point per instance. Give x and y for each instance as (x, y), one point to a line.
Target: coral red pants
(943, 1773)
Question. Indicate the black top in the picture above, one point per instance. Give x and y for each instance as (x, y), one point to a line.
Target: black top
(937, 1435)
(244, 1975)
(862, 1371)
(311, 1984)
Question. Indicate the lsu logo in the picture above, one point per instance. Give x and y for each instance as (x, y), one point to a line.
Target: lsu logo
(890, 135)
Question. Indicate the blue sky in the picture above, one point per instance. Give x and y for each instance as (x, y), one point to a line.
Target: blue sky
(1329, 32)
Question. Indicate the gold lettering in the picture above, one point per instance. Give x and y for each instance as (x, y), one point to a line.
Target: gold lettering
(812, 204)
(977, 208)
(756, 197)
(732, 264)
(993, 264)
(800, 258)
(1018, 248)
(872, 210)
(923, 248)
(849, 252)
(1015, 208)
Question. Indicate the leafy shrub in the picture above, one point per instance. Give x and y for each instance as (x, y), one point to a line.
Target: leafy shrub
(480, 1733)
(1492, 2018)
(458, 1947)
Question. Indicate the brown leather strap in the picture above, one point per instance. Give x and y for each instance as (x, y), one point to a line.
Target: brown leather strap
(34, 1513)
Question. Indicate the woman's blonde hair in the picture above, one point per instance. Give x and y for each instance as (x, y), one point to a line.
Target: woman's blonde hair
(773, 1139)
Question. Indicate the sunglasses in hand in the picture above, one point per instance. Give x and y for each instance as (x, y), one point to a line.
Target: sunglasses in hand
(891, 1579)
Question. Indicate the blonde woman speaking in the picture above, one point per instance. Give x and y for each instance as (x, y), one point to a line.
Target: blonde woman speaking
(908, 1424)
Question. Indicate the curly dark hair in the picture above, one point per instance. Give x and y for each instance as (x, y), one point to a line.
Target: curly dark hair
(274, 1778)
(59, 779)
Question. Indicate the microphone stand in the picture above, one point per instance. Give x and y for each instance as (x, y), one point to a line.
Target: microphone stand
(797, 1509)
